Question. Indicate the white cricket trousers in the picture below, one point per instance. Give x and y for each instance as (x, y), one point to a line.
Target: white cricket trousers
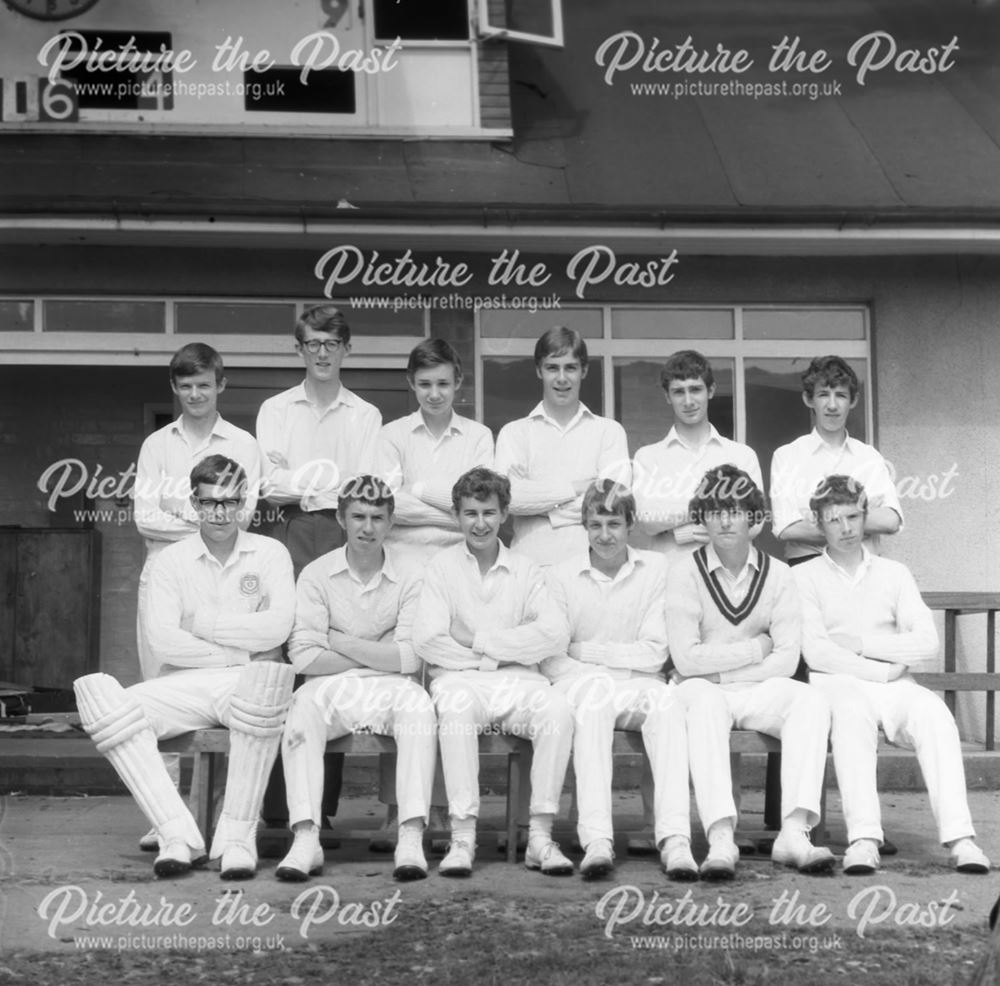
(910, 716)
(601, 704)
(469, 702)
(789, 710)
(329, 706)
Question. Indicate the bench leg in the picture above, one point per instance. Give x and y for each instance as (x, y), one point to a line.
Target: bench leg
(772, 793)
(515, 783)
(736, 773)
(202, 792)
(574, 809)
(217, 764)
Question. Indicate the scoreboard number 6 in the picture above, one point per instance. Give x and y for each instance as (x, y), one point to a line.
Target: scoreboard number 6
(38, 100)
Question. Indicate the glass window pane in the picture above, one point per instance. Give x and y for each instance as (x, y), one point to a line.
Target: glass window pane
(812, 323)
(104, 316)
(530, 16)
(398, 318)
(642, 408)
(280, 89)
(17, 316)
(672, 323)
(511, 388)
(519, 324)
(199, 318)
(438, 21)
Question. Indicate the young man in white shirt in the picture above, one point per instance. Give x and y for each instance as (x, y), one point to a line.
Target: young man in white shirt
(220, 605)
(733, 622)
(162, 507)
(556, 452)
(667, 473)
(612, 677)
(830, 390)
(313, 437)
(353, 617)
(420, 456)
(484, 623)
(864, 626)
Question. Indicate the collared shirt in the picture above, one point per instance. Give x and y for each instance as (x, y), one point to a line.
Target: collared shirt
(797, 468)
(205, 614)
(711, 633)
(666, 477)
(880, 603)
(736, 586)
(323, 447)
(619, 623)
(542, 460)
(162, 507)
(853, 579)
(329, 596)
(507, 613)
(422, 470)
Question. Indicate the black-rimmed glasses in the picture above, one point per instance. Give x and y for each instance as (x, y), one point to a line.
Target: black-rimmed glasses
(313, 346)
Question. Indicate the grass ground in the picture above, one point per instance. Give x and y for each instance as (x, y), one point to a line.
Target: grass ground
(472, 939)
(501, 926)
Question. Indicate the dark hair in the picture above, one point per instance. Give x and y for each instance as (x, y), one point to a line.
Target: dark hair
(194, 358)
(433, 352)
(481, 483)
(835, 490)
(558, 341)
(831, 371)
(727, 488)
(686, 364)
(323, 318)
(605, 496)
(371, 490)
(218, 470)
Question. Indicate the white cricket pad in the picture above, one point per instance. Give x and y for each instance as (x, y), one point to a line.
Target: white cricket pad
(257, 713)
(115, 721)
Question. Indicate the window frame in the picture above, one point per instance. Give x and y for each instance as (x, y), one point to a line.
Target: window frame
(488, 30)
(87, 348)
(738, 349)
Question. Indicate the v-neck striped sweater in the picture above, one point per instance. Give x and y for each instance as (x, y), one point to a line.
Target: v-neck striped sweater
(708, 634)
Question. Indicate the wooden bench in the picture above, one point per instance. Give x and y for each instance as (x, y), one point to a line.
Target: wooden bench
(956, 604)
(207, 746)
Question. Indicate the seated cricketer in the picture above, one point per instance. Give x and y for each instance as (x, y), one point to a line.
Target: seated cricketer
(612, 676)
(220, 605)
(484, 623)
(353, 615)
(864, 624)
(733, 623)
